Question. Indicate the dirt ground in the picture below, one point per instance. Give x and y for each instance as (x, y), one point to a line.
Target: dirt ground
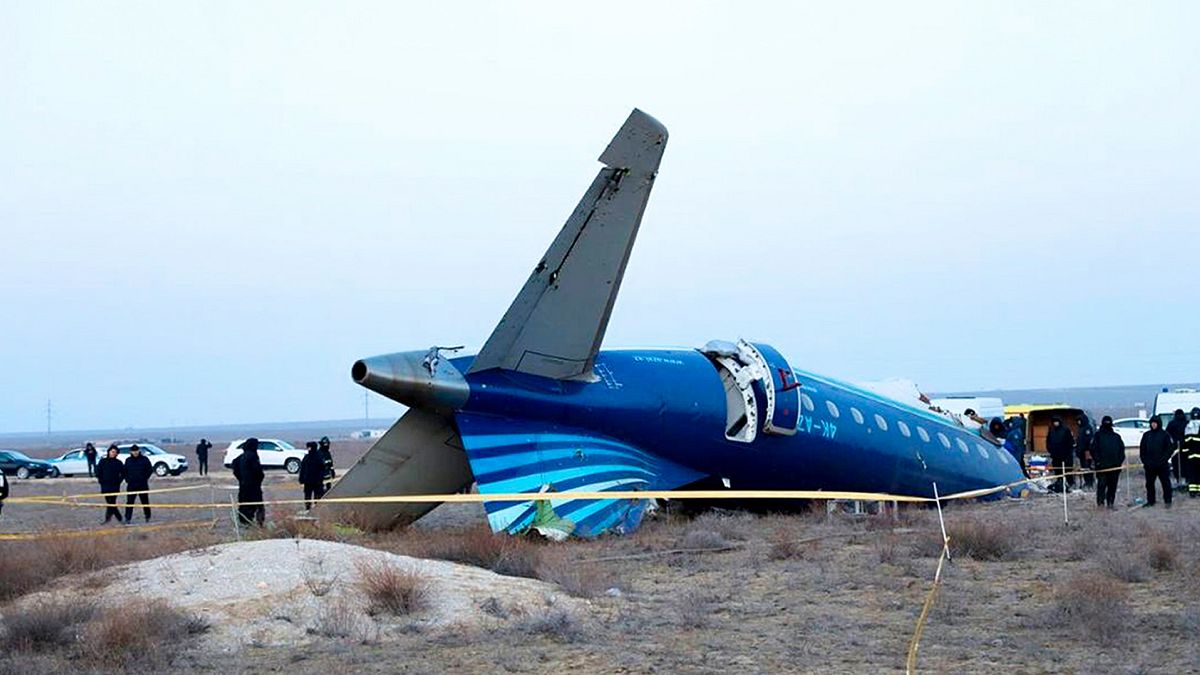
(817, 592)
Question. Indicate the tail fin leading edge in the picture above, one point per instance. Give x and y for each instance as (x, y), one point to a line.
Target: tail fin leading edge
(555, 325)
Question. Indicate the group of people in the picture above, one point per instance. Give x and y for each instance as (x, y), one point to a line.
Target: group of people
(316, 476)
(135, 472)
(1173, 452)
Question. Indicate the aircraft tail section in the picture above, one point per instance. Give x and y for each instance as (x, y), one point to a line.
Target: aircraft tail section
(555, 325)
(515, 456)
(420, 454)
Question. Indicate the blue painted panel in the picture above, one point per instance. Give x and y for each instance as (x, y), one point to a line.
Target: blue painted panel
(787, 391)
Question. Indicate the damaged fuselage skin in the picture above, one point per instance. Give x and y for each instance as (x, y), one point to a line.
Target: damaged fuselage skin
(542, 408)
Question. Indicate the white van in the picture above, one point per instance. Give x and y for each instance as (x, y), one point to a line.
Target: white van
(986, 407)
(1167, 402)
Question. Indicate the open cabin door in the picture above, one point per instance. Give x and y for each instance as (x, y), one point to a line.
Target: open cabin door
(758, 382)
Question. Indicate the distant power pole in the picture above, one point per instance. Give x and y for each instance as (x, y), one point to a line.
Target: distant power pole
(49, 414)
(366, 408)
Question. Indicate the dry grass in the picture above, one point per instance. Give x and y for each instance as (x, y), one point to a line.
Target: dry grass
(581, 580)
(974, 537)
(138, 635)
(338, 619)
(1093, 606)
(501, 553)
(26, 566)
(391, 589)
(45, 626)
(1122, 563)
(556, 624)
(1162, 552)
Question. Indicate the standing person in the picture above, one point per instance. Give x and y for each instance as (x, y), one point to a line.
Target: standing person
(1176, 429)
(1061, 445)
(327, 458)
(1108, 454)
(247, 469)
(3, 490)
(312, 475)
(137, 480)
(202, 455)
(1014, 440)
(1191, 465)
(1083, 450)
(1155, 452)
(89, 453)
(110, 471)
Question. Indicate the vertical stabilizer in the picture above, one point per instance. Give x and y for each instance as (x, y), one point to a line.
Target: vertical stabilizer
(556, 324)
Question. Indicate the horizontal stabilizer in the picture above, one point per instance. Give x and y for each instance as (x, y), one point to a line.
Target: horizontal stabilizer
(420, 455)
(515, 456)
(555, 325)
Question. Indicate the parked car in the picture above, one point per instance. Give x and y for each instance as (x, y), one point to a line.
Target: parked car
(272, 452)
(1131, 429)
(18, 464)
(73, 463)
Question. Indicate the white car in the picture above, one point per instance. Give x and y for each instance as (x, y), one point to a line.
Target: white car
(1131, 430)
(272, 452)
(73, 463)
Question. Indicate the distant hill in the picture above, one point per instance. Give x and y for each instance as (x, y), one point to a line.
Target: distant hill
(216, 433)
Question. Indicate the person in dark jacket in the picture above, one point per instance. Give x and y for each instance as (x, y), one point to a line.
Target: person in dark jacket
(1061, 446)
(1108, 454)
(3, 490)
(202, 449)
(137, 481)
(327, 458)
(247, 469)
(1175, 429)
(1014, 440)
(110, 471)
(1155, 452)
(1191, 454)
(312, 475)
(89, 453)
(1083, 450)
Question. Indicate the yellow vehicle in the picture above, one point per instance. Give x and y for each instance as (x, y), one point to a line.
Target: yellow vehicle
(1037, 421)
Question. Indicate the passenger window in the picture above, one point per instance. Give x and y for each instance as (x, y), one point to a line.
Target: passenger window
(962, 445)
(982, 450)
(903, 428)
(267, 445)
(923, 434)
(880, 422)
(857, 415)
(807, 402)
(944, 439)
(833, 409)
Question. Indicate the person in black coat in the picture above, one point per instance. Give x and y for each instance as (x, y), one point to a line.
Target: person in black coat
(137, 480)
(1155, 452)
(327, 458)
(1083, 450)
(1108, 454)
(89, 453)
(1061, 445)
(312, 475)
(247, 469)
(110, 471)
(3, 490)
(1176, 429)
(202, 455)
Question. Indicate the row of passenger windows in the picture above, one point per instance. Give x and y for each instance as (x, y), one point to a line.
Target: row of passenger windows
(880, 422)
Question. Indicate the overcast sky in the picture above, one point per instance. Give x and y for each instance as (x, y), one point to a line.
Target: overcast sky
(209, 211)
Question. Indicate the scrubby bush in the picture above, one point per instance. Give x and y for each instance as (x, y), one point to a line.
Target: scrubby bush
(558, 625)
(45, 626)
(581, 580)
(973, 537)
(1161, 552)
(478, 546)
(1094, 606)
(391, 589)
(132, 635)
(1123, 564)
(703, 539)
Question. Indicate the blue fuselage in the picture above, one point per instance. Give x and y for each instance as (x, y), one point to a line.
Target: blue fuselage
(671, 403)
